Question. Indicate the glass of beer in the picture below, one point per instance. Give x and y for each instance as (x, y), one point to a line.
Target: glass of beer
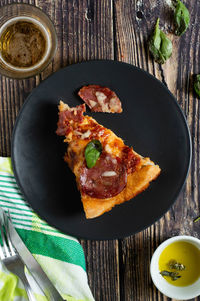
(28, 40)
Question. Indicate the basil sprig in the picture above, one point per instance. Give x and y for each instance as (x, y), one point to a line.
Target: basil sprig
(174, 265)
(174, 275)
(159, 45)
(92, 152)
(181, 18)
(197, 84)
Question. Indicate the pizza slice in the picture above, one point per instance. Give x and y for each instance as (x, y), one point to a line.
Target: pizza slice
(107, 171)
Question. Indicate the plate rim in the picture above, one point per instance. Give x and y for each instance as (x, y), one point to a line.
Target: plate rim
(176, 193)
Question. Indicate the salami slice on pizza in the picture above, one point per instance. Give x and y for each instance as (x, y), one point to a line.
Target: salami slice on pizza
(119, 173)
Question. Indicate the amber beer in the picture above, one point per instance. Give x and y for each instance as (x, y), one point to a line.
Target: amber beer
(24, 43)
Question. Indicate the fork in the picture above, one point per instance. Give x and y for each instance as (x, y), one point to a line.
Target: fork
(10, 257)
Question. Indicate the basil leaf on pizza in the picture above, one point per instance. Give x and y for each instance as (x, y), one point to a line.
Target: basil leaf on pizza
(92, 152)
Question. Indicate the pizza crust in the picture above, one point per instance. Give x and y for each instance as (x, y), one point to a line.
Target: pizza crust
(136, 183)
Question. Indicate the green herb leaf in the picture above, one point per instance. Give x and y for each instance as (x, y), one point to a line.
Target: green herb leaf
(174, 265)
(174, 275)
(197, 84)
(165, 273)
(92, 152)
(181, 18)
(159, 45)
(196, 219)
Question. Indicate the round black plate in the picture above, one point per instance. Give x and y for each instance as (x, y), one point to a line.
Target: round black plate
(152, 122)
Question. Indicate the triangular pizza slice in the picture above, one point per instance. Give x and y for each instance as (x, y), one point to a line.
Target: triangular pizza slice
(108, 175)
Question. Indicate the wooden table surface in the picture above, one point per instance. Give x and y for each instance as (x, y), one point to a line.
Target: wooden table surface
(118, 270)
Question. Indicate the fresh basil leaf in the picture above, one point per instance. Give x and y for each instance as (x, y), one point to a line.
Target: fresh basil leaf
(174, 275)
(197, 84)
(165, 273)
(174, 265)
(160, 45)
(181, 18)
(92, 152)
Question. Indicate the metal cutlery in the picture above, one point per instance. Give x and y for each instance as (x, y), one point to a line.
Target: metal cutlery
(33, 266)
(10, 258)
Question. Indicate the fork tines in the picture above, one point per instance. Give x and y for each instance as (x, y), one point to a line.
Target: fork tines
(6, 250)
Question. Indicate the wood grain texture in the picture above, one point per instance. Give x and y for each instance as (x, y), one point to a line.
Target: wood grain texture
(120, 29)
(85, 31)
(132, 34)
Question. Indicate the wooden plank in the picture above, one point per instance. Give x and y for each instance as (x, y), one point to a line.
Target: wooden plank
(134, 22)
(12, 94)
(85, 31)
(90, 36)
(103, 269)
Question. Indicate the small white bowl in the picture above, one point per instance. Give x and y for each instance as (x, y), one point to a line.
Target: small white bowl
(169, 290)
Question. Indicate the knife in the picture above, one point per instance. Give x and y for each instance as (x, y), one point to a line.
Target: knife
(33, 266)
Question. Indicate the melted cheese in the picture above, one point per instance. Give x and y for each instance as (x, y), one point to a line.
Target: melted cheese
(92, 103)
(114, 105)
(108, 149)
(86, 134)
(109, 173)
(77, 133)
(100, 96)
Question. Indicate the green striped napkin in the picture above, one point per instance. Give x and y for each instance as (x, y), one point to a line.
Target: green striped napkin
(61, 256)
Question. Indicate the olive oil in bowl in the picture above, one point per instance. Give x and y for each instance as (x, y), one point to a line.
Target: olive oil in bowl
(182, 260)
(175, 267)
